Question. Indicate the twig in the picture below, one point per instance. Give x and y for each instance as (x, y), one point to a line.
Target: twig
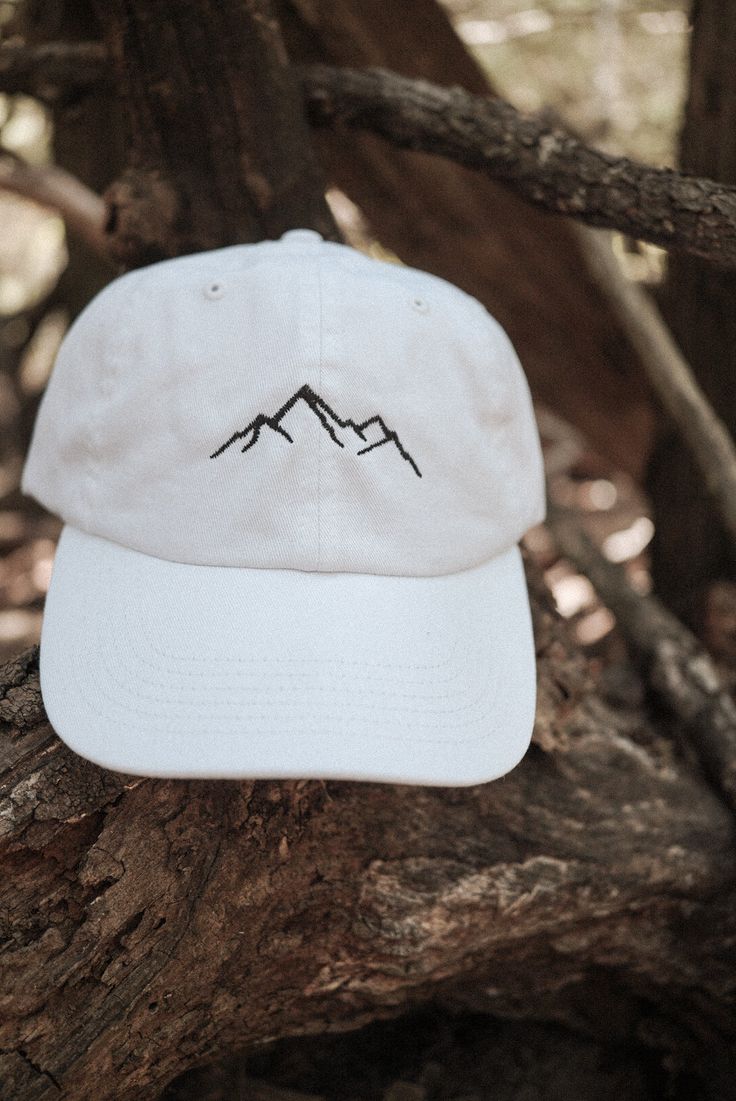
(545, 164)
(542, 162)
(670, 375)
(82, 209)
(677, 667)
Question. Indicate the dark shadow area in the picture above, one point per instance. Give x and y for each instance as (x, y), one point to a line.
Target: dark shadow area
(433, 1055)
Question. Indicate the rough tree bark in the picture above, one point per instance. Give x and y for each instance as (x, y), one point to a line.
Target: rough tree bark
(152, 925)
(690, 548)
(215, 158)
(542, 162)
(547, 165)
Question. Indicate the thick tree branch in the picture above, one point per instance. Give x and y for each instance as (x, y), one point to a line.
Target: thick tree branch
(548, 166)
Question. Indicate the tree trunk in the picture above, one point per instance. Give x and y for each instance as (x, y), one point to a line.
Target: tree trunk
(216, 158)
(88, 142)
(690, 548)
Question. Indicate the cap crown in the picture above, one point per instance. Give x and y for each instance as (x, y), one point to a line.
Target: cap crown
(290, 404)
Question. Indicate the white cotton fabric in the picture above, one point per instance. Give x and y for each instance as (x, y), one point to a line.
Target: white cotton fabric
(279, 609)
(156, 667)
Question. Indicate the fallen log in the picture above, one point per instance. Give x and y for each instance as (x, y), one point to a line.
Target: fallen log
(149, 926)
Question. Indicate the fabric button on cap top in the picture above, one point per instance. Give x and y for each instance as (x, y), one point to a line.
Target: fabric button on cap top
(290, 542)
(301, 237)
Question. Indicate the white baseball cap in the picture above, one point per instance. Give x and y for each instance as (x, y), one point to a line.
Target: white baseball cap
(293, 480)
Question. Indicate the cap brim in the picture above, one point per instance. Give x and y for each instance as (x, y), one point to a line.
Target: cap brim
(159, 668)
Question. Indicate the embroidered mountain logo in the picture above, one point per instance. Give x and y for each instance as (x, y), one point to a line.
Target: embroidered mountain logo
(358, 438)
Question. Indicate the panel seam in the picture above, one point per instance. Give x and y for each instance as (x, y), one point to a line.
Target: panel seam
(319, 435)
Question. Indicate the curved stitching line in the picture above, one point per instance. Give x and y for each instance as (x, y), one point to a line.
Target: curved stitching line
(141, 627)
(176, 669)
(154, 644)
(82, 681)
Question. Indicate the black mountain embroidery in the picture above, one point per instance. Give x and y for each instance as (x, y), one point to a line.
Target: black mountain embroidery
(373, 433)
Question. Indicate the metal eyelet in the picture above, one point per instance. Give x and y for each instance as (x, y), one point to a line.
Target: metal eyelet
(216, 289)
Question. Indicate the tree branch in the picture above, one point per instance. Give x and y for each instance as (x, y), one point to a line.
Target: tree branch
(83, 210)
(671, 376)
(544, 164)
(677, 666)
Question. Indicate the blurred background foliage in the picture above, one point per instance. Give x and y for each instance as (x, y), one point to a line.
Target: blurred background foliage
(615, 70)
